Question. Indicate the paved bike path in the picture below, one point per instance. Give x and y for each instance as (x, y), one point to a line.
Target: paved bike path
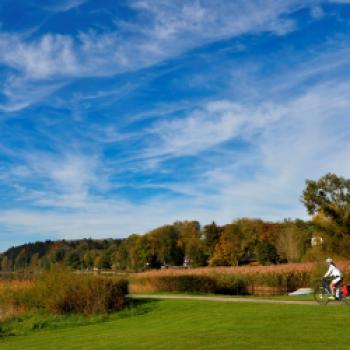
(223, 299)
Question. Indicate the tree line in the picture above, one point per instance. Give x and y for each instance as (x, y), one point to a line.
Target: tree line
(181, 243)
(187, 243)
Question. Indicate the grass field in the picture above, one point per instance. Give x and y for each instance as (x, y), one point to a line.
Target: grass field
(284, 297)
(196, 325)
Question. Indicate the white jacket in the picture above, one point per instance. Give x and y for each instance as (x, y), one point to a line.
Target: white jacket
(333, 271)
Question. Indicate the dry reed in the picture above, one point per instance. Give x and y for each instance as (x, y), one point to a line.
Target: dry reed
(256, 280)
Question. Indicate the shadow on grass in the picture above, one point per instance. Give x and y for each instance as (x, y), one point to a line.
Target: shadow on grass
(137, 307)
(37, 320)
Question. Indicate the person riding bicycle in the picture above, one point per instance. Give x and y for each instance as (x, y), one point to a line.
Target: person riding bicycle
(336, 276)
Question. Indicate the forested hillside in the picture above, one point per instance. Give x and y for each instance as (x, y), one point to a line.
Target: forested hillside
(186, 242)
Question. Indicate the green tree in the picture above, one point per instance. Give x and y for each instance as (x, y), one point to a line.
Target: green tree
(22, 260)
(230, 248)
(266, 253)
(328, 200)
(190, 239)
(211, 234)
(5, 266)
(105, 262)
(293, 240)
(120, 256)
(45, 263)
(88, 259)
(165, 246)
(73, 260)
(330, 195)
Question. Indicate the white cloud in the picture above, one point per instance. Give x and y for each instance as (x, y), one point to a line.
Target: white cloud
(287, 139)
(310, 137)
(163, 30)
(65, 179)
(97, 218)
(286, 142)
(52, 55)
(170, 29)
(303, 138)
(214, 123)
(21, 93)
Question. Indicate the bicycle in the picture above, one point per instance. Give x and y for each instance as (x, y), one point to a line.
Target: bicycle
(323, 294)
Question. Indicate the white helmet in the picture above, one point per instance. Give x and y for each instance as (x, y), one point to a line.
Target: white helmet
(329, 260)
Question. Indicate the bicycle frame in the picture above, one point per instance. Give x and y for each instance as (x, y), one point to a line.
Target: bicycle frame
(325, 285)
(323, 294)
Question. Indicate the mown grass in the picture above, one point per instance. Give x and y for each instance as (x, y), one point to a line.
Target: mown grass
(39, 319)
(308, 297)
(201, 325)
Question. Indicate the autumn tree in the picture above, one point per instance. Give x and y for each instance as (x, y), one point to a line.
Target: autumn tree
(165, 245)
(328, 201)
(190, 240)
(230, 249)
(211, 234)
(293, 239)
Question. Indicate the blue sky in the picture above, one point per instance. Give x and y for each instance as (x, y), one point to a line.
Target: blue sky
(120, 116)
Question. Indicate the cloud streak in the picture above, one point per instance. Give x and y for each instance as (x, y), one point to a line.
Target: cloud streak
(139, 127)
(288, 143)
(167, 30)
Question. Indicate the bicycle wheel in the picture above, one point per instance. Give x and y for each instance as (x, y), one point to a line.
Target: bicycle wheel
(321, 295)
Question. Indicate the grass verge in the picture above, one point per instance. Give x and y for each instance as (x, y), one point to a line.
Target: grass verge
(183, 324)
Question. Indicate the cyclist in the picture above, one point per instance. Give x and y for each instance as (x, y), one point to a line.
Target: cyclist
(335, 273)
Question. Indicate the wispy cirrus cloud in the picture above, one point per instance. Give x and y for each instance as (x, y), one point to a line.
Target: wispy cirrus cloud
(205, 127)
(209, 123)
(160, 31)
(162, 130)
(303, 138)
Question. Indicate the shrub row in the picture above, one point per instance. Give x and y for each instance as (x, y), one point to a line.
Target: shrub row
(67, 292)
(235, 284)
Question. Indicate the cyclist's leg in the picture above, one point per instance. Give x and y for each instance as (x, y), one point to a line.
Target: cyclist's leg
(335, 286)
(332, 289)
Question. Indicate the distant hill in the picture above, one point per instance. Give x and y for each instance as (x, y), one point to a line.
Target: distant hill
(181, 243)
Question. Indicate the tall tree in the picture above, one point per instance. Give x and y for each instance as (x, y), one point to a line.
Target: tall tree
(328, 200)
(230, 249)
(330, 195)
(211, 234)
(190, 239)
(164, 242)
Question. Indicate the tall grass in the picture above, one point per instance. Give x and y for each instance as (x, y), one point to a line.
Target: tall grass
(14, 297)
(80, 293)
(241, 270)
(65, 292)
(253, 280)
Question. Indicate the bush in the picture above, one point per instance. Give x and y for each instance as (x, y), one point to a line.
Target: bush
(225, 283)
(15, 297)
(231, 284)
(67, 292)
(182, 283)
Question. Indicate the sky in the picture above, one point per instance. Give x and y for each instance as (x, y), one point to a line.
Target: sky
(117, 117)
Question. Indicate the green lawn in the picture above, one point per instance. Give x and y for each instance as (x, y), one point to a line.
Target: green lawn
(309, 297)
(187, 324)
